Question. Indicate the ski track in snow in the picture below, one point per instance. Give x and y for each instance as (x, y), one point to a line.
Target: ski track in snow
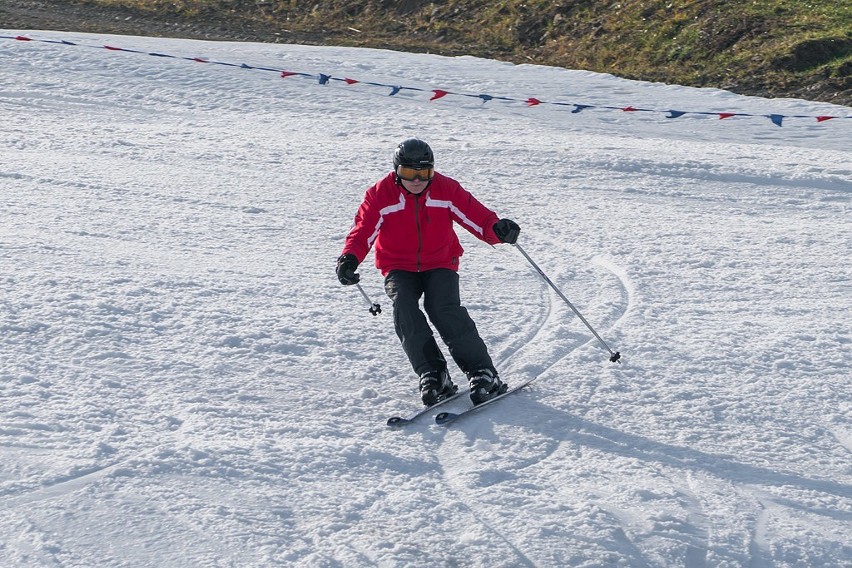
(183, 381)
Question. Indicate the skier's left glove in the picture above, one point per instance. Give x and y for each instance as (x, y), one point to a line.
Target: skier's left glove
(346, 265)
(507, 231)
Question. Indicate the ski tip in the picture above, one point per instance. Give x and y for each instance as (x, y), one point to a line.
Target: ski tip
(396, 421)
(445, 417)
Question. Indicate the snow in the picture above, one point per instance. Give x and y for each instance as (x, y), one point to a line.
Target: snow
(183, 381)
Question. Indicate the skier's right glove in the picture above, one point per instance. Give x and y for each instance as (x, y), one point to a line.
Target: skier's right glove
(346, 265)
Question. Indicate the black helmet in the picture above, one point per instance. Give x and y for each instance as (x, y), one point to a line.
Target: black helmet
(413, 153)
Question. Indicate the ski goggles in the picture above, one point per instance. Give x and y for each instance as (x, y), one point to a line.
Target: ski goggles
(410, 174)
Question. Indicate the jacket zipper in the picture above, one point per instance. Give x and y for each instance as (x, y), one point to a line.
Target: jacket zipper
(419, 231)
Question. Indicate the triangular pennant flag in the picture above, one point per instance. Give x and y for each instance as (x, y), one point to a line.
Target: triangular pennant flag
(724, 115)
(629, 109)
(485, 98)
(824, 118)
(676, 113)
(111, 48)
(23, 38)
(578, 108)
(323, 78)
(285, 74)
(350, 81)
(776, 119)
(532, 101)
(438, 94)
(199, 60)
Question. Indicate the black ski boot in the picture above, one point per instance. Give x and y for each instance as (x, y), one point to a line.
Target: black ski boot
(484, 385)
(435, 386)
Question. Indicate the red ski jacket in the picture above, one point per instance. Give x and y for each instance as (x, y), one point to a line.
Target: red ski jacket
(415, 232)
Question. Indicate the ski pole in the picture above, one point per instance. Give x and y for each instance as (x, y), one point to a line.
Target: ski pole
(375, 309)
(614, 356)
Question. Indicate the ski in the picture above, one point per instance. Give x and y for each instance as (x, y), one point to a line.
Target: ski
(445, 418)
(403, 420)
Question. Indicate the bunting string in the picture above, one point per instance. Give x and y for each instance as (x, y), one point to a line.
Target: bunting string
(392, 90)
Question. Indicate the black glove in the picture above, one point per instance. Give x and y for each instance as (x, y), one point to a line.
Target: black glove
(346, 265)
(507, 231)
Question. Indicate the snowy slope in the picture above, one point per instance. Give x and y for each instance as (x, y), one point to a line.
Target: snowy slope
(183, 382)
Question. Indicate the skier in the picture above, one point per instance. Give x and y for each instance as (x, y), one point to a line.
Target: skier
(408, 215)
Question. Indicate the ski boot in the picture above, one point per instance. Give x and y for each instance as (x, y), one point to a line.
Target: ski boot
(484, 385)
(435, 386)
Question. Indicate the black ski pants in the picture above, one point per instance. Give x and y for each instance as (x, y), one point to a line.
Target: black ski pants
(440, 291)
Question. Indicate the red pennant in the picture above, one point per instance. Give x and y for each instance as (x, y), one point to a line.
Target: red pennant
(199, 60)
(824, 118)
(23, 38)
(724, 115)
(285, 74)
(351, 81)
(111, 48)
(532, 101)
(629, 109)
(438, 94)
